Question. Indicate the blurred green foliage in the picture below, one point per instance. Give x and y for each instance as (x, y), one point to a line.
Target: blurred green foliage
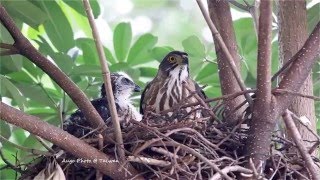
(53, 27)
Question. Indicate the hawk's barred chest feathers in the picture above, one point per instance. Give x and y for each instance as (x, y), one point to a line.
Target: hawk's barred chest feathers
(167, 90)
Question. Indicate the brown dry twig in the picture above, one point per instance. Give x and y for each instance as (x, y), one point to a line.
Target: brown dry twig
(231, 169)
(314, 171)
(225, 50)
(107, 81)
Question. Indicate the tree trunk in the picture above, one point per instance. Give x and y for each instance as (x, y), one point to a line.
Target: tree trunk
(221, 16)
(292, 17)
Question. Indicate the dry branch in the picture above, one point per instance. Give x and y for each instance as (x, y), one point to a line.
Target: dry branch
(300, 68)
(313, 169)
(107, 81)
(225, 50)
(25, 48)
(64, 140)
(231, 169)
(263, 115)
(220, 14)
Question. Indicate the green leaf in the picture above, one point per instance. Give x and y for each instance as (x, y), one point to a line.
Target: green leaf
(87, 70)
(36, 94)
(208, 70)
(10, 64)
(5, 129)
(78, 6)
(313, 16)
(64, 62)
(148, 71)
(194, 47)
(18, 136)
(159, 53)
(109, 56)
(213, 91)
(33, 143)
(32, 69)
(121, 40)
(44, 46)
(195, 64)
(247, 43)
(246, 37)
(90, 55)
(57, 27)
(12, 92)
(26, 12)
(140, 51)
(121, 66)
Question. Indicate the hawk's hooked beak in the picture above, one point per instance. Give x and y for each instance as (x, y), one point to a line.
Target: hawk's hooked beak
(137, 88)
(185, 59)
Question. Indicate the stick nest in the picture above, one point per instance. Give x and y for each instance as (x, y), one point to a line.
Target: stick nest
(164, 148)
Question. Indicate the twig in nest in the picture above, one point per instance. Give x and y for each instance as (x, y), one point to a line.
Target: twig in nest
(231, 133)
(310, 165)
(149, 161)
(306, 126)
(254, 169)
(231, 169)
(200, 100)
(187, 149)
(164, 152)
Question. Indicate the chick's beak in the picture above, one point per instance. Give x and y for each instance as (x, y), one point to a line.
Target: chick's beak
(137, 88)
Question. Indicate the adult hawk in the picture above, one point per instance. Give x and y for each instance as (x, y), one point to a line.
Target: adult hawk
(123, 87)
(166, 90)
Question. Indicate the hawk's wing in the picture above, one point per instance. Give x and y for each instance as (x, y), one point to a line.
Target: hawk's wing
(78, 125)
(199, 90)
(143, 95)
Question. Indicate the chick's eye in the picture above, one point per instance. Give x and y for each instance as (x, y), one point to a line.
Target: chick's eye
(172, 59)
(126, 80)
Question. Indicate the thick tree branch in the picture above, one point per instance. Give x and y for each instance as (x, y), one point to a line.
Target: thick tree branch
(224, 49)
(65, 141)
(299, 69)
(26, 49)
(314, 171)
(264, 57)
(221, 16)
(263, 115)
(107, 81)
(289, 44)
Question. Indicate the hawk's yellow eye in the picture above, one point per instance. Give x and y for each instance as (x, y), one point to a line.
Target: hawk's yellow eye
(172, 59)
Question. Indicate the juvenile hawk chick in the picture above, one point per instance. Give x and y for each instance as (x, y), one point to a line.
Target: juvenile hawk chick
(123, 87)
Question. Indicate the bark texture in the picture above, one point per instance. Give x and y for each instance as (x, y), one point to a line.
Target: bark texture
(263, 120)
(292, 17)
(221, 16)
